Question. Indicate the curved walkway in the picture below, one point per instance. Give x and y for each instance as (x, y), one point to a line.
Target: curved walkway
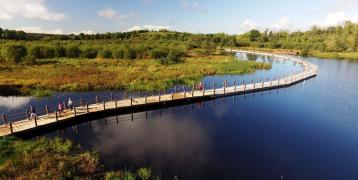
(84, 110)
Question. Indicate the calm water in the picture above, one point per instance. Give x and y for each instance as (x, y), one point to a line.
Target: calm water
(308, 131)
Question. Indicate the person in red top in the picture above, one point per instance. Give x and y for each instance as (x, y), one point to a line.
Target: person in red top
(60, 107)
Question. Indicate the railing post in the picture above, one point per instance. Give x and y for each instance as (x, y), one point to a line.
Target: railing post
(11, 128)
(214, 87)
(87, 108)
(192, 91)
(96, 99)
(234, 86)
(225, 87)
(125, 94)
(46, 108)
(159, 96)
(27, 114)
(203, 89)
(131, 101)
(35, 121)
(104, 105)
(56, 115)
(115, 103)
(145, 99)
(4, 118)
(172, 95)
(74, 111)
(184, 93)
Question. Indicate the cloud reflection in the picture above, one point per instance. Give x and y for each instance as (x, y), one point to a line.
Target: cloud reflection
(14, 102)
(159, 140)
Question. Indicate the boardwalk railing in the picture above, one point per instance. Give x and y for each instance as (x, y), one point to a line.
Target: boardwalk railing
(49, 115)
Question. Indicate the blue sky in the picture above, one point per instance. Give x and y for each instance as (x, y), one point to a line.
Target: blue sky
(197, 16)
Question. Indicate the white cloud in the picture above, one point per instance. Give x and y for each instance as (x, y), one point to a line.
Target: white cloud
(148, 27)
(34, 9)
(189, 3)
(283, 24)
(89, 32)
(34, 29)
(248, 25)
(335, 18)
(108, 13)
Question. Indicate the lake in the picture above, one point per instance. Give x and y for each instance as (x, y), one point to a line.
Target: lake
(307, 131)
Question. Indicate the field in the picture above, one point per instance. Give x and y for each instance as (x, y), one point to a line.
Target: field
(105, 74)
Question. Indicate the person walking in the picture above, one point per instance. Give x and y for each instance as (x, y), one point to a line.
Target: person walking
(60, 107)
(70, 104)
(32, 112)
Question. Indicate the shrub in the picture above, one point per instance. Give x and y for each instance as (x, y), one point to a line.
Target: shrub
(36, 51)
(158, 53)
(15, 53)
(29, 60)
(105, 53)
(144, 173)
(73, 51)
(49, 52)
(174, 56)
(129, 53)
(305, 52)
(60, 51)
(118, 53)
(89, 53)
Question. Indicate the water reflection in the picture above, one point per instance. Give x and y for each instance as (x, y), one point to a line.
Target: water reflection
(14, 102)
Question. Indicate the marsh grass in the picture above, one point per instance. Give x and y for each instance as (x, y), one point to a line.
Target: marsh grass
(104, 74)
(45, 159)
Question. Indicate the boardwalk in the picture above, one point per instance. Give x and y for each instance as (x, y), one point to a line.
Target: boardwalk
(51, 118)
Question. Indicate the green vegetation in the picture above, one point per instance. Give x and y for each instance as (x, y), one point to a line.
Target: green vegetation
(100, 74)
(329, 42)
(138, 60)
(57, 159)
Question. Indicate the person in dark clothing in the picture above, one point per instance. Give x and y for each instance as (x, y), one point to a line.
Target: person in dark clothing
(32, 112)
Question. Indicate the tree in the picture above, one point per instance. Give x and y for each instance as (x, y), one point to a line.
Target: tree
(254, 35)
(15, 53)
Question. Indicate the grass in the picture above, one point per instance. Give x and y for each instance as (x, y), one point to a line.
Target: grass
(57, 159)
(103, 74)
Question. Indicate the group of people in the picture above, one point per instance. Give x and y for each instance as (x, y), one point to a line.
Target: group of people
(60, 107)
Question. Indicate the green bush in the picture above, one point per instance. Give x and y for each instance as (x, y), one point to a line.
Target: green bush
(159, 53)
(60, 51)
(129, 53)
(73, 51)
(89, 53)
(118, 53)
(105, 53)
(144, 173)
(174, 56)
(15, 53)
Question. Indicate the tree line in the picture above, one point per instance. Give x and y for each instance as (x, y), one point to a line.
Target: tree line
(341, 38)
(169, 46)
